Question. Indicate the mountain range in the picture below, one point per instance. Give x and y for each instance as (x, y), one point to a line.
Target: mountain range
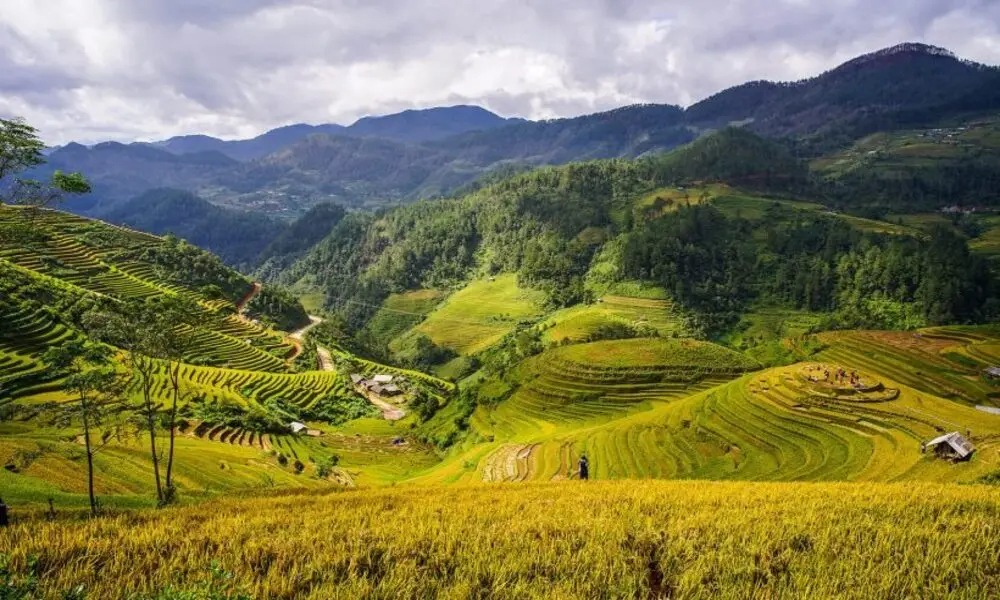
(380, 161)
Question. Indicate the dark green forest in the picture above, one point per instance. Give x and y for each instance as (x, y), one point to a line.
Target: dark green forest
(552, 225)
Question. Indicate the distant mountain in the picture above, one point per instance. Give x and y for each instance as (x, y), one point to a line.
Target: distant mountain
(856, 98)
(261, 145)
(236, 236)
(429, 124)
(407, 126)
(297, 238)
(381, 161)
(122, 171)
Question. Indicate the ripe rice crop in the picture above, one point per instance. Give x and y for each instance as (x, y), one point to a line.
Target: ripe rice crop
(554, 541)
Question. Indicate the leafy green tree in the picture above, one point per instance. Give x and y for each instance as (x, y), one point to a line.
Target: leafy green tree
(20, 150)
(97, 388)
(179, 319)
(137, 329)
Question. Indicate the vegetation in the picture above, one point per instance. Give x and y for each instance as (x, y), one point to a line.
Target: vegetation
(658, 539)
(236, 237)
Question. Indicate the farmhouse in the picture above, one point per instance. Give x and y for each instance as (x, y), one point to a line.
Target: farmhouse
(379, 384)
(992, 372)
(951, 445)
(297, 427)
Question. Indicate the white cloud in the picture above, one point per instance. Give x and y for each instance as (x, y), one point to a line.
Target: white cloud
(142, 69)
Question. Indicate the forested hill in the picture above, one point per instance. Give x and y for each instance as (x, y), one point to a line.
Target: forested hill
(711, 225)
(400, 158)
(235, 236)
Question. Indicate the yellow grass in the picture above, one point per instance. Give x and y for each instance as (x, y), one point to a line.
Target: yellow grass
(554, 541)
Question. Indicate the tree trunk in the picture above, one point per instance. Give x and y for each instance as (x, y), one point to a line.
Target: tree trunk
(147, 392)
(175, 382)
(90, 457)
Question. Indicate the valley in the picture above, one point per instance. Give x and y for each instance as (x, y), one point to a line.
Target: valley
(372, 361)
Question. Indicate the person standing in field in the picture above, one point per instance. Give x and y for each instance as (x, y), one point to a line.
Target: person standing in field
(4, 520)
(584, 468)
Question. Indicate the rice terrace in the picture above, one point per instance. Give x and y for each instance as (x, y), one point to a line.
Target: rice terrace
(745, 348)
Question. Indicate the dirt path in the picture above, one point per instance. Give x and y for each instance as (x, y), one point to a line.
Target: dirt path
(296, 337)
(390, 412)
(325, 359)
(241, 306)
(300, 333)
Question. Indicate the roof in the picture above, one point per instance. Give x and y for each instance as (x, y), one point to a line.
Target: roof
(382, 378)
(956, 441)
(296, 426)
(357, 378)
(993, 371)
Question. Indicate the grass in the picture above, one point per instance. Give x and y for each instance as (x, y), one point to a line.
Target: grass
(579, 322)
(553, 541)
(400, 312)
(478, 315)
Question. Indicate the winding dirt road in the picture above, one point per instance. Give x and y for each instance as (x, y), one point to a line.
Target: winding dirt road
(241, 306)
(390, 412)
(296, 337)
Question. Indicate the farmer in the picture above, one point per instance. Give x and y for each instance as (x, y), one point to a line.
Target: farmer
(584, 468)
(4, 521)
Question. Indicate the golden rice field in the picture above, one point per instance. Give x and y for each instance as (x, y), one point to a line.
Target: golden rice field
(478, 315)
(565, 540)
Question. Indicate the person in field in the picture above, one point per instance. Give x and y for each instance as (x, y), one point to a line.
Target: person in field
(584, 468)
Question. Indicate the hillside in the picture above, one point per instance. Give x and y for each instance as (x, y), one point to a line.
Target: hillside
(235, 236)
(216, 346)
(578, 232)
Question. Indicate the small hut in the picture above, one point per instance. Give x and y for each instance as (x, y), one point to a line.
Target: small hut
(382, 379)
(992, 372)
(357, 378)
(952, 446)
(391, 390)
(297, 427)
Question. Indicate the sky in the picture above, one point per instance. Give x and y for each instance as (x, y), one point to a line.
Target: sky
(94, 70)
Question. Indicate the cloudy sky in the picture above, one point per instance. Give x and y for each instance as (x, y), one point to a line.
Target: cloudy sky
(91, 70)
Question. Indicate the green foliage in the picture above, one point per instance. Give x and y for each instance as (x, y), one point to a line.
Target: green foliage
(424, 405)
(325, 466)
(417, 351)
(279, 307)
(237, 237)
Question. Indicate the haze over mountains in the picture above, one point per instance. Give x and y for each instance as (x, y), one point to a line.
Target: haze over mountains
(381, 161)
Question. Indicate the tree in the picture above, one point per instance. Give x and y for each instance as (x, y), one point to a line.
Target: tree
(136, 329)
(97, 388)
(20, 150)
(179, 317)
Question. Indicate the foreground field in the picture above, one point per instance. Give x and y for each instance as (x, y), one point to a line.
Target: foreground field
(564, 540)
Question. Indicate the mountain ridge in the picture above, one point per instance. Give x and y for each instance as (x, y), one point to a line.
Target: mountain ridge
(878, 91)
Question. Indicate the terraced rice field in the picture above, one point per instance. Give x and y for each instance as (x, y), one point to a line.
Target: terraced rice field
(478, 315)
(580, 322)
(776, 425)
(943, 361)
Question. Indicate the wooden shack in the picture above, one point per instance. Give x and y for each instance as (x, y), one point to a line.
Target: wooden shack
(953, 446)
